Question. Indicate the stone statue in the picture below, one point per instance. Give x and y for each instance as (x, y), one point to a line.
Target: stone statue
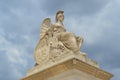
(55, 40)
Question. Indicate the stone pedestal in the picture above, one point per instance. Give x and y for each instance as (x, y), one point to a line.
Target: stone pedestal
(69, 69)
(73, 74)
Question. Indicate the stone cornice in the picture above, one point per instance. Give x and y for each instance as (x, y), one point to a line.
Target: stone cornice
(68, 65)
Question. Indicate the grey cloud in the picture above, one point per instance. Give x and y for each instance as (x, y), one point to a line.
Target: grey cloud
(14, 60)
(78, 7)
(20, 16)
(95, 20)
(7, 69)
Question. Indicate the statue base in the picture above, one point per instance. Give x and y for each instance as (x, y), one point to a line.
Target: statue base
(69, 67)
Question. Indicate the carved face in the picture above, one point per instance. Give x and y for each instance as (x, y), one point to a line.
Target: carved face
(60, 17)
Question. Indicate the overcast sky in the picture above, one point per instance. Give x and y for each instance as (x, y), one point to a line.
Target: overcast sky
(97, 21)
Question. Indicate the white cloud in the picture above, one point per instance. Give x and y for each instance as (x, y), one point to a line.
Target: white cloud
(15, 54)
(97, 22)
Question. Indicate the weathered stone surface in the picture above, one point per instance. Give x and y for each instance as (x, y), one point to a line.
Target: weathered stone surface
(80, 69)
(58, 56)
(55, 41)
(61, 59)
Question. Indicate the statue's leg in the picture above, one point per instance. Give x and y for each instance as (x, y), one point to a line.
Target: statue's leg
(69, 41)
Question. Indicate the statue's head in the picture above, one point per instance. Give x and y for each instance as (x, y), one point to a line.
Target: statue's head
(59, 16)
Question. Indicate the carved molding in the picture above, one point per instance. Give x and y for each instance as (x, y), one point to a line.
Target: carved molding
(68, 65)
